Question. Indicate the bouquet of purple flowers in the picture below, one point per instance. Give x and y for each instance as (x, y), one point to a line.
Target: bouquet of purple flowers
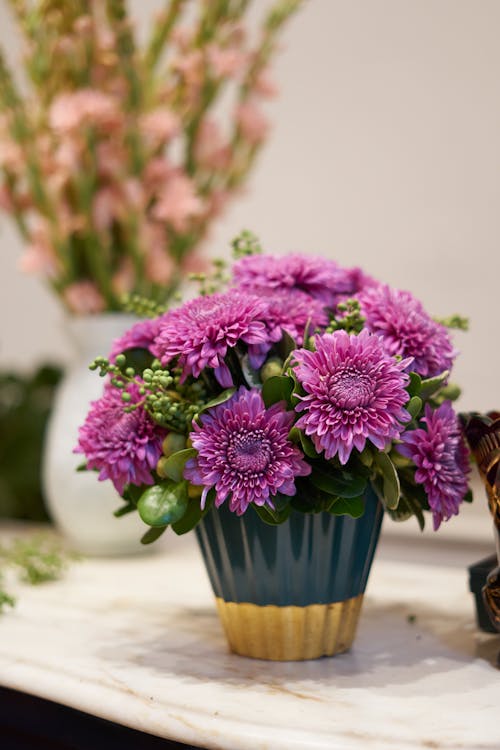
(292, 384)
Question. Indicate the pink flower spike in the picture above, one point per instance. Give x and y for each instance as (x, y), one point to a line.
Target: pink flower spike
(264, 86)
(84, 298)
(178, 202)
(226, 62)
(159, 125)
(252, 123)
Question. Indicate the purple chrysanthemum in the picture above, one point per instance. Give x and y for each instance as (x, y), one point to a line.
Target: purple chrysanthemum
(244, 452)
(442, 460)
(355, 392)
(291, 311)
(123, 446)
(406, 329)
(140, 336)
(203, 329)
(324, 280)
(315, 276)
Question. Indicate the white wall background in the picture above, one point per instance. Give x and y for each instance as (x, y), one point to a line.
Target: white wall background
(385, 152)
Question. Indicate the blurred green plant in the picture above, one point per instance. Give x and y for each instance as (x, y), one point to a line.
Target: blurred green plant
(35, 560)
(25, 404)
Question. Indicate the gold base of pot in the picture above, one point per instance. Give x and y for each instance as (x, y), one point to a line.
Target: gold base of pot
(290, 633)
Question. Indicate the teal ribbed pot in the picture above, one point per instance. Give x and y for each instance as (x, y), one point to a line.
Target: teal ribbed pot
(292, 591)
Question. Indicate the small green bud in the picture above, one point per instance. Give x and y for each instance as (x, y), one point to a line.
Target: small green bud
(126, 397)
(120, 360)
(160, 468)
(173, 443)
(130, 372)
(271, 368)
(194, 491)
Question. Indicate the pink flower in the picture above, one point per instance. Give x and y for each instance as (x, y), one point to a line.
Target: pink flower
(226, 62)
(40, 256)
(252, 123)
(84, 298)
(111, 160)
(134, 193)
(69, 111)
(107, 206)
(123, 279)
(40, 259)
(216, 203)
(264, 86)
(160, 267)
(11, 155)
(159, 125)
(6, 199)
(178, 202)
(210, 151)
(191, 67)
(156, 174)
(67, 156)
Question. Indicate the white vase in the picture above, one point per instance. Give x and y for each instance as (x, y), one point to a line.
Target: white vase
(80, 505)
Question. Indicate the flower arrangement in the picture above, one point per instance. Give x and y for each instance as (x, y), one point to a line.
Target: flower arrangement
(118, 161)
(292, 384)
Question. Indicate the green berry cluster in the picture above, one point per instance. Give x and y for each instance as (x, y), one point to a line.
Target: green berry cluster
(213, 282)
(142, 306)
(170, 404)
(246, 243)
(350, 320)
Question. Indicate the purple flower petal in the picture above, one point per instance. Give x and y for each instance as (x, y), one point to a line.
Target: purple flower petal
(244, 452)
(354, 392)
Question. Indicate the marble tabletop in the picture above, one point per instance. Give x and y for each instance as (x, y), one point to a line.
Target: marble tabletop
(137, 641)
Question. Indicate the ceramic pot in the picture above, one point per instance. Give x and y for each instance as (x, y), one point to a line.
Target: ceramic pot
(81, 507)
(292, 591)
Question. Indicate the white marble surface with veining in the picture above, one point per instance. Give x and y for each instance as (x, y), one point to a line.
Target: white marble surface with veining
(137, 641)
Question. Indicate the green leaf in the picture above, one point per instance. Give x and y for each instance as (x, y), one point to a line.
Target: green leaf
(139, 359)
(251, 376)
(220, 399)
(415, 384)
(286, 346)
(191, 517)
(152, 535)
(277, 388)
(338, 483)
(468, 497)
(133, 493)
(128, 508)
(163, 503)
(173, 466)
(366, 457)
(270, 516)
(432, 385)
(307, 445)
(414, 406)
(390, 481)
(354, 507)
